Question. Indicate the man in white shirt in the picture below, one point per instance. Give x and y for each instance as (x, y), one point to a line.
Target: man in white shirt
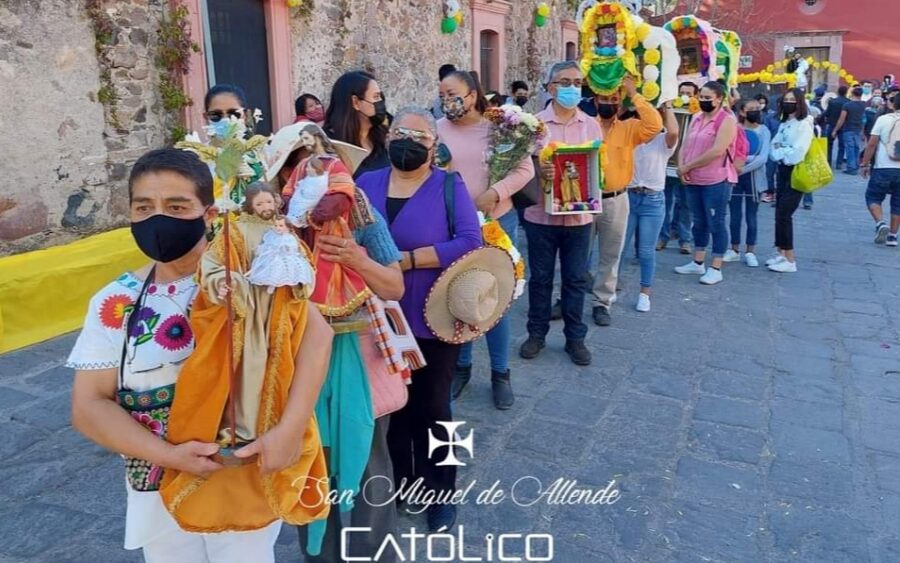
(885, 178)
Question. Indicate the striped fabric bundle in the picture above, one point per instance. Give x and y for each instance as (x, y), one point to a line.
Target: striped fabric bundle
(382, 331)
(394, 338)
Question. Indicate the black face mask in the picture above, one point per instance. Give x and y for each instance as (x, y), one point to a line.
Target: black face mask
(380, 113)
(607, 111)
(707, 106)
(788, 107)
(164, 238)
(754, 116)
(521, 100)
(407, 155)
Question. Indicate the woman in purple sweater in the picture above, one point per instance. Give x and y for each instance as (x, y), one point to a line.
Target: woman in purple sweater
(412, 194)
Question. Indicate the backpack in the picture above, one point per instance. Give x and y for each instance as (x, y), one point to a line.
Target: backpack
(892, 140)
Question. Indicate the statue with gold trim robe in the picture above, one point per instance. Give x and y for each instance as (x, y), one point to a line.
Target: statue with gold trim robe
(268, 330)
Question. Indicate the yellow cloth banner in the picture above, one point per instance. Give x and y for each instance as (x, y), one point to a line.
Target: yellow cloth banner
(45, 293)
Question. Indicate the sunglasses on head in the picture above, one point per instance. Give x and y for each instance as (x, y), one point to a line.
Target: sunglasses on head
(216, 115)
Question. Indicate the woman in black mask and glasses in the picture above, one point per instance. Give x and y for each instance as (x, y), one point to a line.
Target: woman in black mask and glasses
(357, 115)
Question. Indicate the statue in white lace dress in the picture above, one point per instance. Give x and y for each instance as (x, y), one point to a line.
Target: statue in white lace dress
(279, 261)
(308, 192)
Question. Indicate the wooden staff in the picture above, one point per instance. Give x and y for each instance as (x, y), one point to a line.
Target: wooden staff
(229, 327)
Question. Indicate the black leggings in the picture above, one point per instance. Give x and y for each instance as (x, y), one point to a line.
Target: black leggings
(429, 402)
(785, 205)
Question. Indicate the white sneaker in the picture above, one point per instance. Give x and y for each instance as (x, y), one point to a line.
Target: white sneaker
(691, 268)
(711, 277)
(751, 260)
(775, 259)
(784, 267)
(643, 304)
(731, 256)
(881, 232)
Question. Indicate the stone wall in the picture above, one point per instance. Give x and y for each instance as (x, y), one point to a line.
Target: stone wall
(66, 153)
(402, 44)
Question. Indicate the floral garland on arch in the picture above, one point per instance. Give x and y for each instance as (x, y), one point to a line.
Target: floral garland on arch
(769, 76)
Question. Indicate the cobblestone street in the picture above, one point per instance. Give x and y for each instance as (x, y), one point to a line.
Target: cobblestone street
(756, 420)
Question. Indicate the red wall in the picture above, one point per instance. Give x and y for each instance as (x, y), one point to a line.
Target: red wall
(871, 42)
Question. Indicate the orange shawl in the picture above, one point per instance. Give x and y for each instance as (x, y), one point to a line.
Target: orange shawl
(240, 498)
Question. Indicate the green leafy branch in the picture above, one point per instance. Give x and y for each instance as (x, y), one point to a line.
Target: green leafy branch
(173, 58)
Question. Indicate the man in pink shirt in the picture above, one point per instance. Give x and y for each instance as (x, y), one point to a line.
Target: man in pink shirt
(568, 235)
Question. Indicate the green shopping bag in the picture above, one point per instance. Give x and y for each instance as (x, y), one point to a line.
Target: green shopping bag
(813, 173)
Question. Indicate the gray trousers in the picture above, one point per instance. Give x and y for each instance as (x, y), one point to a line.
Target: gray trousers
(381, 519)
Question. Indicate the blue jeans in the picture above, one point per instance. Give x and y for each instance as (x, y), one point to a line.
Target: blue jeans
(708, 207)
(647, 212)
(742, 197)
(544, 242)
(676, 210)
(840, 151)
(498, 337)
(851, 149)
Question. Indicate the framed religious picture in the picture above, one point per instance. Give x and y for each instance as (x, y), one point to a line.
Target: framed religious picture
(577, 179)
(683, 117)
(606, 36)
(691, 61)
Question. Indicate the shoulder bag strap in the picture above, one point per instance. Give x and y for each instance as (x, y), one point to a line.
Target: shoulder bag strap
(450, 202)
(129, 323)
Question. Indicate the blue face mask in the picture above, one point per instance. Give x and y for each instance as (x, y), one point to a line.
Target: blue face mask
(568, 96)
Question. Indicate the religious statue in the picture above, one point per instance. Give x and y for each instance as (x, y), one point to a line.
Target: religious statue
(259, 315)
(327, 195)
(570, 186)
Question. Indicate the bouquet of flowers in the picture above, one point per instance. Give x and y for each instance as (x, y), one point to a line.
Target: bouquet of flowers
(514, 136)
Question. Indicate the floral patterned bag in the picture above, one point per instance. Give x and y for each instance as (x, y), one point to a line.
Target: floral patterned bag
(150, 408)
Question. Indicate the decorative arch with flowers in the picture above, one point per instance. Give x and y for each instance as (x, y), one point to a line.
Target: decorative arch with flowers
(693, 33)
(607, 42)
(728, 55)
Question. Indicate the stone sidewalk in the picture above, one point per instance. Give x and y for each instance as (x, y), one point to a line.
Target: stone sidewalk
(757, 420)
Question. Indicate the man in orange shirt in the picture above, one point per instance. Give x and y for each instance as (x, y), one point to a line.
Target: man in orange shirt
(620, 138)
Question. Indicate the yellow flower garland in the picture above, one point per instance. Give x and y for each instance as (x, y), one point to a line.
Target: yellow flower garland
(494, 235)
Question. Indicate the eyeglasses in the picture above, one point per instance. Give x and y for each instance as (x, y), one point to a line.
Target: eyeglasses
(566, 82)
(216, 116)
(414, 134)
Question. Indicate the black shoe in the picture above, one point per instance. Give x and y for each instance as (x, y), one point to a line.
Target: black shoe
(578, 352)
(441, 517)
(461, 378)
(807, 206)
(850, 172)
(502, 389)
(531, 347)
(601, 316)
(556, 311)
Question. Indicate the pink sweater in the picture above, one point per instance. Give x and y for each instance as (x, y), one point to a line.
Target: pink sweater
(468, 146)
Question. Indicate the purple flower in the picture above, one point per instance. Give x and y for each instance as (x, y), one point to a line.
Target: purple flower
(142, 316)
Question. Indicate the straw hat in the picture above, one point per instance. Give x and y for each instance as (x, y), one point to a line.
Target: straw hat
(287, 139)
(471, 295)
